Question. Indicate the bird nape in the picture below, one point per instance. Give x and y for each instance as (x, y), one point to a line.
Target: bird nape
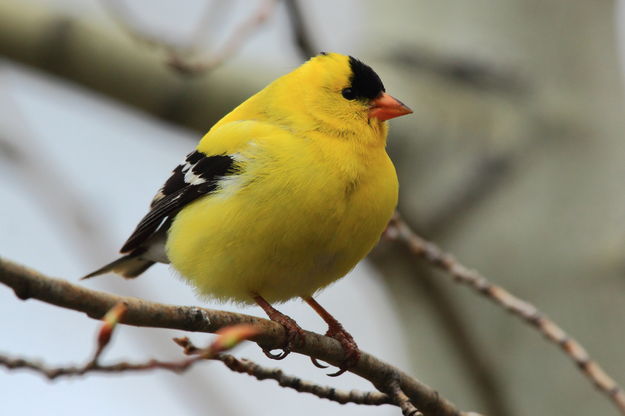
(282, 196)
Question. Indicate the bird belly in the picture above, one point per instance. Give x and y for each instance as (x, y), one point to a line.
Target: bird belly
(278, 238)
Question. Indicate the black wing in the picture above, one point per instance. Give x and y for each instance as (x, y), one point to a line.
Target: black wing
(196, 177)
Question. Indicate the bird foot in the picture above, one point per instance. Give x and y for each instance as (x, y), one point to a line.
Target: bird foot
(352, 353)
(294, 334)
(336, 331)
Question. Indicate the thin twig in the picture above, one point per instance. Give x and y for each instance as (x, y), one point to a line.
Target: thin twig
(94, 367)
(401, 400)
(486, 177)
(235, 41)
(110, 321)
(28, 283)
(249, 367)
(463, 70)
(243, 366)
(524, 310)
(211, 20)
(120, 14)
(481, 375)
(189, 59)
(325, 392)
(228, 338)
(301, 35)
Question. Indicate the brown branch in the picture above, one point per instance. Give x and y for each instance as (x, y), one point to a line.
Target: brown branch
(299, 29)
(120, 14)
(487, 176)
(228, 339)
(94, 367)
(28, 283)
(234, 42)
(462, 70)
(110, 321)
(401, 400)
(524, 310)
(245, 366)
(481, 374)
(189, 59)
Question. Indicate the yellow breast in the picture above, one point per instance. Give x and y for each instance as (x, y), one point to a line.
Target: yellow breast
(301, 214)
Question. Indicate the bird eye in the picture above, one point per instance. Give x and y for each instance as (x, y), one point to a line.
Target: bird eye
(348, 94)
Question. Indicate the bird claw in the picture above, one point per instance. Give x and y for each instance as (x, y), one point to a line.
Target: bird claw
(352, 353)
(338, 373)
(280, 356)
(317, 364)
(294, 336)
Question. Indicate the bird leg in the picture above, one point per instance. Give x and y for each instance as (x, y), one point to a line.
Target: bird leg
(294, 334)
(336, 331)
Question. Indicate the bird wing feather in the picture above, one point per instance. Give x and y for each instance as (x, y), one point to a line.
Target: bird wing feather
(196, 177)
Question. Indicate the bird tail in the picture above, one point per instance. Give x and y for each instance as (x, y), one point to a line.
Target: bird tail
(128, 266)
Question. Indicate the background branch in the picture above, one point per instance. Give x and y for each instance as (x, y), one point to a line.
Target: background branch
(524, 310)
(189, 59)
(299, 29)
(79, 50)
(414, 280)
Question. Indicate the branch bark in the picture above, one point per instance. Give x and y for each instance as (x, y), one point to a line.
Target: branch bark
(190, 59)
(243, 366)
(28, 283)
(518, 307)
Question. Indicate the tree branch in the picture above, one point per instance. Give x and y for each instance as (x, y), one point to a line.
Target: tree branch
(412, 280)
(245, 366)
(94, 367)
(189, 59)
(28, 283)
(401, 400)
(524, 310)
(299, 30)
(228, 338)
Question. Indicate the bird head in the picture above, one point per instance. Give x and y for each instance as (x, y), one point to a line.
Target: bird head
(333, 94)
(341, 93)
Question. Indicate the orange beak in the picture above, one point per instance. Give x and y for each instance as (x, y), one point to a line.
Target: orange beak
(385, 107)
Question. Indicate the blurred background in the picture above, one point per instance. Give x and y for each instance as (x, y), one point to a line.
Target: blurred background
(514, 160)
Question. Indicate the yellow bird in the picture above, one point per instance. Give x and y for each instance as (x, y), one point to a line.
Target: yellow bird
(283, 196)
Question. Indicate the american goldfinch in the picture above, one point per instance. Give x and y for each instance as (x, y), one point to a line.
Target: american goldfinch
(283, 196)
